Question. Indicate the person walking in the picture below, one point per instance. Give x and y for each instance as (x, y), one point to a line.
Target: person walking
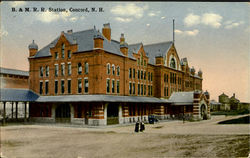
(137, 126)
(142, 127)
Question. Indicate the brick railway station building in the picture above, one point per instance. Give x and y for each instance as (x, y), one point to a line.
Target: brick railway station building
(88, 78)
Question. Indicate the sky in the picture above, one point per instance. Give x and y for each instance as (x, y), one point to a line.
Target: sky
(213, 36)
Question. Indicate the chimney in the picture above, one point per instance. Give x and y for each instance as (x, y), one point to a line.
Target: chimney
(123, 45)
(159, 60)
(106, 31)
(192, 71)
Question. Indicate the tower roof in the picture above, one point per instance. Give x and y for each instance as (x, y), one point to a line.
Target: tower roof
(33, 45)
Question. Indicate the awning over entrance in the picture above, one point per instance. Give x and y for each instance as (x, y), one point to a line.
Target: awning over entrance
(16, 95)
(100, 98)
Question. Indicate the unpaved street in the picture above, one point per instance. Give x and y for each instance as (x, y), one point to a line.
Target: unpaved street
(166, 139)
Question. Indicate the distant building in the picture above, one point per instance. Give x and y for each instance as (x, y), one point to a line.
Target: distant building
(231, 103)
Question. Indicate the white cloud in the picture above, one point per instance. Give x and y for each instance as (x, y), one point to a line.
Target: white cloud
(123, 19)
(230, 24)
(17, 3)
(192, 20)
(192, 33)
(178, 31)
(211, 19)
(187, 33)
(163, 17)
(3, 32)
(154, 13)
(148, 24)
(73, 19)
(48, 17)
(129, 10)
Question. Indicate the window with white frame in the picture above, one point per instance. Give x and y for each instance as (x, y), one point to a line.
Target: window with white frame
(113, 69)
(56, 70)
(79, 85)
(108, 85)
(113, 86)
(62, 69)
(86, 68)
(79, 68)
(118, 71)
(86, 85)
(117, 86)
(108, 68)
(47, 71)
(69, 69)
(41, 71)
(62, 50)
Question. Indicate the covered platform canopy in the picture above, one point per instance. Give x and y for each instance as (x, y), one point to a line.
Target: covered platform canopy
(17, 95)
(182, 98)
(100, 98)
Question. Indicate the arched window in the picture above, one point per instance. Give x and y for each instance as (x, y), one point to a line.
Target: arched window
(86, 68)
(79, 68)
(172, 63)
(113, 69)
(108, 68)
(118, 71)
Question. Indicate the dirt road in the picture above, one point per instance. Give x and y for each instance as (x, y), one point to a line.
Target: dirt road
(166, 139)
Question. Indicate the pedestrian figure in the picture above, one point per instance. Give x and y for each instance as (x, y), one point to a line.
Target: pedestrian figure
(142, 127)
(137, 126)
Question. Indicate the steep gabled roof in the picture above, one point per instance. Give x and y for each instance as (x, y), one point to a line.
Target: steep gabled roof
(85, 42)
(157, 49)
(13, 72)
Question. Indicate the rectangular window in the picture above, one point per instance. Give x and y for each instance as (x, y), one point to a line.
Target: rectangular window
(167, 78)
(141, 74)
(151, 90)
(118, 86)
(133, 88)
(41, 71)
(47, 71)
(138, 89)
(148, 76)
(118, 71)
(86, 68)
(144, 62)
(151, 76)
(86, 85)
(46, 87)
(148, 89)
(79, 85)
(130, 88)
(62, 50)
(113, 86)
(138, 74)
(41, 87)
(138, 61)
(62, 69)
(69, 69)
(141, 89)
(108, 85)
(145, 75)
(69, 54)
(113, 69)
(62, 86)
(56, 55)
(145, 90)
(130, 73)
(56, 87)
(56, 70)
(133, 73)
(69, 86)
(165, 91)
